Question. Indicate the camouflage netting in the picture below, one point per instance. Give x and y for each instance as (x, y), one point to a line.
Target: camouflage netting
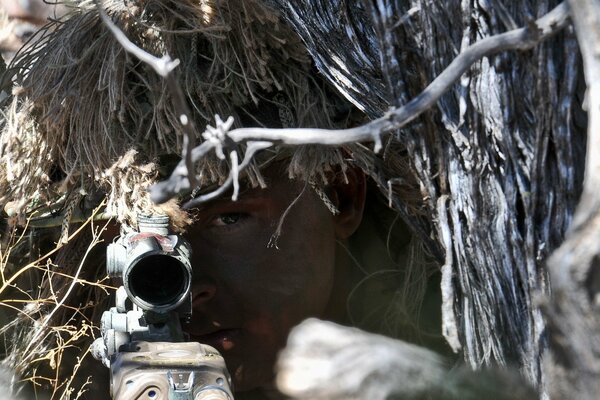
(87, 116)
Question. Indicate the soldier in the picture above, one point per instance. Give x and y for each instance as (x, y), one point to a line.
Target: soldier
(311, 235)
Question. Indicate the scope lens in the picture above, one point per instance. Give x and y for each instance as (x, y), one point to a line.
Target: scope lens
(158, 279)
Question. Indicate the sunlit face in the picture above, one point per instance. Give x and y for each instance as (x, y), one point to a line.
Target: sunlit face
(248, 295)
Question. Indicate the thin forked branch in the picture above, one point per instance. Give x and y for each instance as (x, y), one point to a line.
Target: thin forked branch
(221, 137)
(164, 67)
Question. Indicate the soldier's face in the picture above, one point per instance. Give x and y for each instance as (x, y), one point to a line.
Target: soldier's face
(249, 294)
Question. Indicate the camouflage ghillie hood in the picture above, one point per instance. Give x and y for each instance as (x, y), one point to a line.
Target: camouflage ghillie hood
(91, 118)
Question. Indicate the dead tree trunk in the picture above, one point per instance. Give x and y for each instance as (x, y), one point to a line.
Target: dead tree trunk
(573, 364)
(499, 162)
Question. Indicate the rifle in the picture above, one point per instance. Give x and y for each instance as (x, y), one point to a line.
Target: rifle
(141, 337)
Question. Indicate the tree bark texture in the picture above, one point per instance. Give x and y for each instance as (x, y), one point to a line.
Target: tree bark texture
(499, 162)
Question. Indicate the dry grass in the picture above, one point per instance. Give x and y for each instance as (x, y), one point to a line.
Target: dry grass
(51, 324)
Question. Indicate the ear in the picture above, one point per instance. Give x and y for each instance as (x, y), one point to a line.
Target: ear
(349, 198)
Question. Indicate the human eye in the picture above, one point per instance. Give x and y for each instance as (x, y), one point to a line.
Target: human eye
(228, 219)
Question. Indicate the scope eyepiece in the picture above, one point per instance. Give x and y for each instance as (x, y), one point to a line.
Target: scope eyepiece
(157, 279)
(155, 268)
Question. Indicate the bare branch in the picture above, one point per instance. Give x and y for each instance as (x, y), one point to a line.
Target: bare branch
(253, 148)
(164, 67)
(518, 39)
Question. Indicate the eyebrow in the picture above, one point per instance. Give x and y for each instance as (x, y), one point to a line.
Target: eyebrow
(246, 193)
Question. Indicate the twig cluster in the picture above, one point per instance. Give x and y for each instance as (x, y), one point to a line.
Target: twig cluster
(223, 140)
(44, 323)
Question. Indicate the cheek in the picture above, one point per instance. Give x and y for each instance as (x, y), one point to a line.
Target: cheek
(293, 283)
(283, 284)
(295, 279)
(268, 290)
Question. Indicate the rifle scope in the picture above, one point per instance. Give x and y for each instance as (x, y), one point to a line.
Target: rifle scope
(155, 267)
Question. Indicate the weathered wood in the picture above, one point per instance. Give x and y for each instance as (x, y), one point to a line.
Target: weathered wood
(573, 364)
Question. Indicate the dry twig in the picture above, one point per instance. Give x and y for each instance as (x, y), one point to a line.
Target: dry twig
(164, 67)
(53, 337)
(518, 39)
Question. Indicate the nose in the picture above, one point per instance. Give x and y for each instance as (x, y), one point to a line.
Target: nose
(203, 290)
